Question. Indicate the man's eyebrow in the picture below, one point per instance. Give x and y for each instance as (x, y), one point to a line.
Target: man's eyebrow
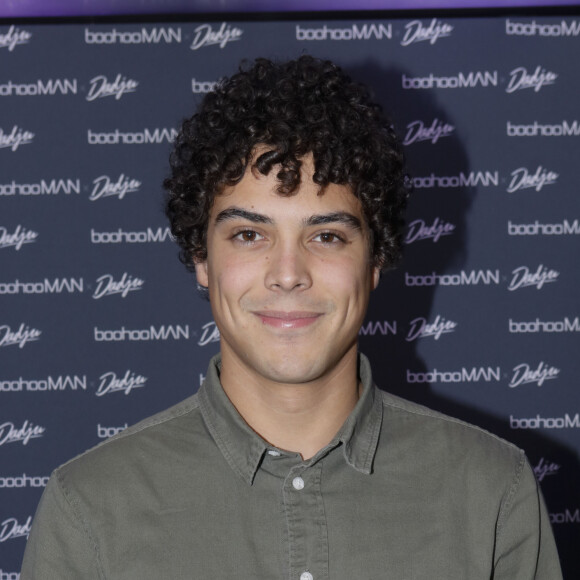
(237, 212)
(341, 217)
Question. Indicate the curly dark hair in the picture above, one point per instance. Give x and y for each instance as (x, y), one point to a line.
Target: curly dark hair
(304, 106)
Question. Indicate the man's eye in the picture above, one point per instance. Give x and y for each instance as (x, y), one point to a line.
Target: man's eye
(248, 236)
(328, 238)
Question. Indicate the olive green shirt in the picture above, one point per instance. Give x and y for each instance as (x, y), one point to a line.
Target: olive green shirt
(400, 493)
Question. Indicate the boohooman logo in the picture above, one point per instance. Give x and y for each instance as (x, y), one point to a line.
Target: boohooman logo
(108, 382)
(566, 517)
(104, 432)
(538, 422)
(564, 129)
(145, 137)
(352, 32)
(42, 187)
(463, 375)
(20, 481)
(460, 80)
(154, 35)
(40, 88)
(564, 228)
(374, 327)
(549, 326)
(47, 384)
(533, 28)
(462, 278)
(46, 286)
(202, 87)
(123, 237)
(471, 179)
(163, 332)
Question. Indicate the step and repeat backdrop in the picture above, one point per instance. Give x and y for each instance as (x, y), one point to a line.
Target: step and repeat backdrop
(101, 326)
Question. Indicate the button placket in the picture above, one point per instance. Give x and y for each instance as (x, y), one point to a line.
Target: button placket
(306, 524)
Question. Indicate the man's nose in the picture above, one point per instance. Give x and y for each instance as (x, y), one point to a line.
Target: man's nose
(288, 268)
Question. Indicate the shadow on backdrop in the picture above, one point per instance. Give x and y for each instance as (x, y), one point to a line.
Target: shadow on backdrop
(390, 352)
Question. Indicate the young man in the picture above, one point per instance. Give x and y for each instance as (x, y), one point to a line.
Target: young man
(286, 196)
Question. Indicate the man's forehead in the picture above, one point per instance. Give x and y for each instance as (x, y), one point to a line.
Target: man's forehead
(256, 198)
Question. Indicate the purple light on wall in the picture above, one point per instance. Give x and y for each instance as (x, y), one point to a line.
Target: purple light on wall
(47, 8)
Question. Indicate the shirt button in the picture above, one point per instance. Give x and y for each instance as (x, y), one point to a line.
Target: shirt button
(298, 483)
(306, 576)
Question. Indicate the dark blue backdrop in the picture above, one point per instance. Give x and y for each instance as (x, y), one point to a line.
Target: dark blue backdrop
(100, 325)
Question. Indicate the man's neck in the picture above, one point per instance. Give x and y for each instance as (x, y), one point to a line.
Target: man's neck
(302, 418)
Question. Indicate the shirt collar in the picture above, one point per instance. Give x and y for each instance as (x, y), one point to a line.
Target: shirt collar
(244, 449)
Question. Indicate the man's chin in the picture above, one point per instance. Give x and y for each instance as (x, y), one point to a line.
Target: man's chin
(293, 372)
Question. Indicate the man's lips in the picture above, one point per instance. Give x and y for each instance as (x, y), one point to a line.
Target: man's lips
(293, 319)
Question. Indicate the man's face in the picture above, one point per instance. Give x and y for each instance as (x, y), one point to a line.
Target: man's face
(289, 277)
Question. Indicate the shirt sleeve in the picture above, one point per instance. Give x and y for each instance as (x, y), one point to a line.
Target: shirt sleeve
(60, 546)
(525, 543)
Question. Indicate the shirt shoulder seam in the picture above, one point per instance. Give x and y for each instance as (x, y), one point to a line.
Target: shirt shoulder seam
(425, 412)
(373, 440)
(75, 508)
(188, 405)
(510, 496)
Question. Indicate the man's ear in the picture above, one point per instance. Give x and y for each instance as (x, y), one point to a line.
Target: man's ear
(201, 273)
(376, 276)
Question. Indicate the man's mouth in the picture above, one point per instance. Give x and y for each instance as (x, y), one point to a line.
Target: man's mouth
(292, 319)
